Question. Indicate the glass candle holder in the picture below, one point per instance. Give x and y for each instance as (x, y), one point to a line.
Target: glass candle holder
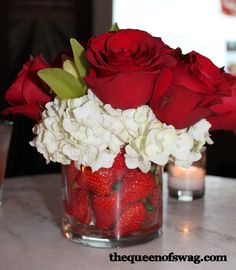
(187, 184)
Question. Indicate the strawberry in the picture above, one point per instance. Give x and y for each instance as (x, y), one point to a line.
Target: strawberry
(153, 206)
(119, 165)
(155, 197)
(81, 179)
(137, 186)
(78, 206)
(105, 210)
(131, 219)
(71, 172)
(100, 182)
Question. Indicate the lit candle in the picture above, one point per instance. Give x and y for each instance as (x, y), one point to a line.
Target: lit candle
(191, 178)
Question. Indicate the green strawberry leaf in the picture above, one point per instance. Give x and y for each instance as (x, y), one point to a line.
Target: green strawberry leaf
(149, 207)
(65, 85)
(117, 186)
(80, 59)
(114, 27)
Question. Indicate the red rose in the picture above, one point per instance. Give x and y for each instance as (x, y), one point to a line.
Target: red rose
(225, 112)
(26, 93)
(185, 94)
(125, 65)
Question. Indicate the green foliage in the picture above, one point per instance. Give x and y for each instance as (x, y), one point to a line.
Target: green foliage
(64, 84)
(114, 27)
(80, 59)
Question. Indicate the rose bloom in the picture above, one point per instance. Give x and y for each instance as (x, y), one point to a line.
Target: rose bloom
(26, 94)
(225, 112)
(186, 93)
(125, 65)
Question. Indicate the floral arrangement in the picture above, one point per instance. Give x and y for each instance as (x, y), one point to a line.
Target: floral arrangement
(124, 89)
(110, 110)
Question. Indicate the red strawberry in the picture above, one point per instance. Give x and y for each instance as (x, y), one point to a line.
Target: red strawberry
(119, 165)
(78, 206)
(71, 172)
(153, 206)
(71, 177)
(81, 179)
(155, 197)
(105, 210)
(100, 182)
(137, 186)
(131, 219)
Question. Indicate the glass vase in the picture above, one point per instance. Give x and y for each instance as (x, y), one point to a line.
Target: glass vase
(112, 207)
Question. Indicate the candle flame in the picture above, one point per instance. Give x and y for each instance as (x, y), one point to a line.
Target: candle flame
(191, 172)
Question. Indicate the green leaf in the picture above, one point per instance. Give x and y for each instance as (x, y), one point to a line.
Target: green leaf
(70, 67)
(80, 59)
(117, 186)
(114, 27)
(149, 207)
(65, 85)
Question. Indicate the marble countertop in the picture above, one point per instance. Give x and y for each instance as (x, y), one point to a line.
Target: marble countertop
(31, 239)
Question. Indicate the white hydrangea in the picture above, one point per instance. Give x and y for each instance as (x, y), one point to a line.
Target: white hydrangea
(190, 142)
(76, 130)
(91, 133)
(136, 122)
(153, 145)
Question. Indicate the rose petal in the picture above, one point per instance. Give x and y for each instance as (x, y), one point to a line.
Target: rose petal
(123, 91)
(32, 111)
(32, 87)
(180, 107)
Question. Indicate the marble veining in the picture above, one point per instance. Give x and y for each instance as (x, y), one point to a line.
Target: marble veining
(31, 239)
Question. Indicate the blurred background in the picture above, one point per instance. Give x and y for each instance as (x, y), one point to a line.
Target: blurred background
(30, 27)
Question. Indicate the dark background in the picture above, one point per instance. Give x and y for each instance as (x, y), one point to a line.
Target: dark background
(31, 27)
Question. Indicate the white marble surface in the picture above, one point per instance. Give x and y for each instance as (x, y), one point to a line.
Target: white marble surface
(30, 236)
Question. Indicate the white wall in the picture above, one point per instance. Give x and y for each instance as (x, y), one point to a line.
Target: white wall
(190, 24)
